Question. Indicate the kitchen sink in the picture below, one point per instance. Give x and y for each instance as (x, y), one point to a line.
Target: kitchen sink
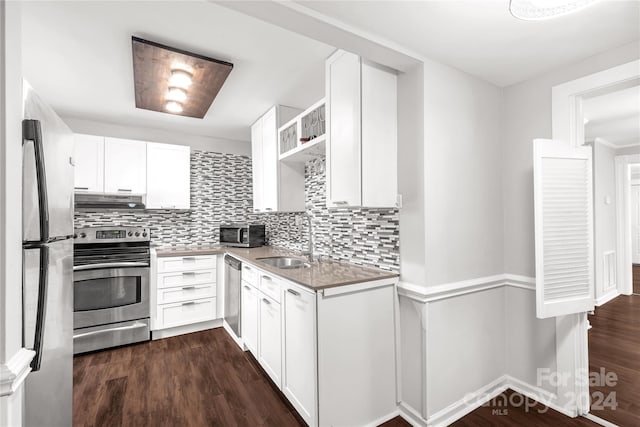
(285, 263)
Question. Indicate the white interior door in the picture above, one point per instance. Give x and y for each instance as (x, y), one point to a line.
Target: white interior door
(563, 194)
(635, 223)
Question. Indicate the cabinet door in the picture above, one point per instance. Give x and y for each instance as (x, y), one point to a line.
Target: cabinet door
(344, 130)
(256, 165)
(168, 176)
(299, 377)
(249, 318)
(270, 348)
(270, 160)
(125, 166)
(89, 163)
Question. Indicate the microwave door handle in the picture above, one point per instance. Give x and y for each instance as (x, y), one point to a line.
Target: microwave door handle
(239, 235)
(32, 131)
(43, 285)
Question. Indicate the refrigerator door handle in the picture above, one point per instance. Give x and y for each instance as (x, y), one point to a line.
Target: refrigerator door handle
(43, 285)
(31, 131)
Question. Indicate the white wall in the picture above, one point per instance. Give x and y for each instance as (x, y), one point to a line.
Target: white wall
(463, 176)
(527, 115)
(411, 174)
(197, 142)
(604, 214)
(466, 347)
(10, 200)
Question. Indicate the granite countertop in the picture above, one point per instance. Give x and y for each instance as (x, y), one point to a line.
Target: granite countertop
(321, 275)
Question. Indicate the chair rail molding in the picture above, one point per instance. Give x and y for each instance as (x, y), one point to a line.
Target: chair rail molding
(14, 372)
(427, 294)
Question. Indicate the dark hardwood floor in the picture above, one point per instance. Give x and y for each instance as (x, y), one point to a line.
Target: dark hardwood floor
(199, 379)
(204, 379)
(636, 279)
(614, 344)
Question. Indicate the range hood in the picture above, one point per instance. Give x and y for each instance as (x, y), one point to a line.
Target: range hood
(109, 201)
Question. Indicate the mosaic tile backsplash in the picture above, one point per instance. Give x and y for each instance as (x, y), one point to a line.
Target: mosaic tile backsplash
(221, 192)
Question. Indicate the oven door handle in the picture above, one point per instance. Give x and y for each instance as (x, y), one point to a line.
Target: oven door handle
(119, 328)
(109, 265)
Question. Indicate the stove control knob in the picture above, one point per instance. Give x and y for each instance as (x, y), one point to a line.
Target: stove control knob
(75, 236)
(137, 233)
(130, 233)
(83, 235)
(144, 234)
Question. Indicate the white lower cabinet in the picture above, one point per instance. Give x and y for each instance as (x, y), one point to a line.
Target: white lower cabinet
(184, 291)
(270, 339)
(312, 344)
(249, 317)
(299, 370)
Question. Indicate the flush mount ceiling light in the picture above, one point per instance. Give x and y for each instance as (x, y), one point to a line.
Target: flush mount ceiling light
(175, 81)
(536, 10)
(177, 94)
(174, 107)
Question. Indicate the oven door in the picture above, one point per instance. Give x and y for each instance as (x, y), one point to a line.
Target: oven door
(109, 295)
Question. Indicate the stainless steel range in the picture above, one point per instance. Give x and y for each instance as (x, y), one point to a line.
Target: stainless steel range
(110, 287)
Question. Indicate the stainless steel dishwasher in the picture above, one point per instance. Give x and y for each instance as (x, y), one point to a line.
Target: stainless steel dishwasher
(232, 283)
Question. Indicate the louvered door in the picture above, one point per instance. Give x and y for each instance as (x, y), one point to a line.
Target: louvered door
(563, 191)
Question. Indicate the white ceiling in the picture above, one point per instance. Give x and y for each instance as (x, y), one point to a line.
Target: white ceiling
(77, 55)
(614, 117)
(483, 39)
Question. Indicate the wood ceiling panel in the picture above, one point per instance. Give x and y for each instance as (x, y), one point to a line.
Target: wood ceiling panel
(152, 66)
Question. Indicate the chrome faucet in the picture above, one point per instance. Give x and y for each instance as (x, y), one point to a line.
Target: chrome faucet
(309, 252)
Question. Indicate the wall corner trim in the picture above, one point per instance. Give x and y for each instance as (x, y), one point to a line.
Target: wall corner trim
(427, 294)
(15, 370)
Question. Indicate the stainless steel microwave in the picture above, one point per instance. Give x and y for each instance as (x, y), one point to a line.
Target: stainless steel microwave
(242, 235)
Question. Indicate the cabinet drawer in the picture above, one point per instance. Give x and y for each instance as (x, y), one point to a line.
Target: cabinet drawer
(250, 275)
(184, 313)
(187, 263)
(186, 278)
(186, 293)
(270, 286)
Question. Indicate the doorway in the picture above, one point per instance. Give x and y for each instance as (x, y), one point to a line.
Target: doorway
(612, 128)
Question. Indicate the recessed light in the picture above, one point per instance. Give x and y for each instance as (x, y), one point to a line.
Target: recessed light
(177, 94)
(180, 78)
(173, 107)
(536, 10)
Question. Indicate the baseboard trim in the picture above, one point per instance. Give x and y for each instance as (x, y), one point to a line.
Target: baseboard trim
(599, 420)
(383, 419)
(612, 294)
(538, 394)
(411, 415)
(475, 400)
(185, 329)
(469, 403)
(15, 370)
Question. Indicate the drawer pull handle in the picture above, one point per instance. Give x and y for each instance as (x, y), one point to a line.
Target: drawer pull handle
(247, 288)
(189, 303)
(189, 273)
(267, 278)
(125, 190)
(188, 288)
(292, 292)
(188, 258)
(81, 188)
(266, 301)
(246, 267)
(268, 209)
(339, 202)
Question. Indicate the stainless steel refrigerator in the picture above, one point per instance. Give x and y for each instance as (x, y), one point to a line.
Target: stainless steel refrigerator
(47, 203)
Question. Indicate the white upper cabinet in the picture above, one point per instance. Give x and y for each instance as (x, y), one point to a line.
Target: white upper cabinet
(168, 176)
(361, 105)
(277, 186)
(89, 163)
(125, 166)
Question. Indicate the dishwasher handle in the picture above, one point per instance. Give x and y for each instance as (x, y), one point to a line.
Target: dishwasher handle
(232, 262)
